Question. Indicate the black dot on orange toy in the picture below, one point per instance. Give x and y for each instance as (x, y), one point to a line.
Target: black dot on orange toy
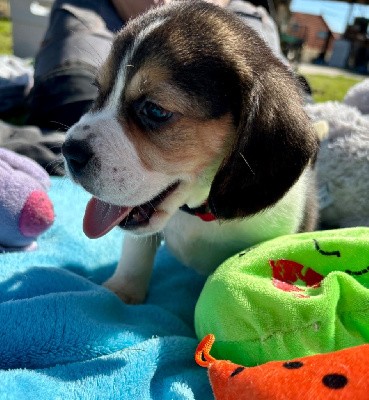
(341, 375)
(237, 371)
(293, 364)
(335, 381)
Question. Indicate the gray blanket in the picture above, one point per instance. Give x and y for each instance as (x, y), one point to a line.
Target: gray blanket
(44, 148)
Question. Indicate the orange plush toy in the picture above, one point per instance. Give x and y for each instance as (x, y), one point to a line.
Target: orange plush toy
(340, 375)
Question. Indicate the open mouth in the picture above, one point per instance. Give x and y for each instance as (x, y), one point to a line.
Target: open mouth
(100, 217)
(140, 215)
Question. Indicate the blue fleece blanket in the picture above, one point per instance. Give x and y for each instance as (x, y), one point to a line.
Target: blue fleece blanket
(63, 336)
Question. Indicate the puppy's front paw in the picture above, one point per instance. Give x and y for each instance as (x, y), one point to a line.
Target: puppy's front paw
(130, 294)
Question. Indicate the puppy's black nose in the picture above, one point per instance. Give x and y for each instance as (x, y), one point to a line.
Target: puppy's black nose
(77, 153)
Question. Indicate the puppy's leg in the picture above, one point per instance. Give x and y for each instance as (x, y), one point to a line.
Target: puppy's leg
(131, 279)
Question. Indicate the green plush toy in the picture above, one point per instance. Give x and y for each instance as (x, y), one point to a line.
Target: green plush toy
(290, 297)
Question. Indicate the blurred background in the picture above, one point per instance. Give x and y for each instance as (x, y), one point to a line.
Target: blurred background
(326, 41)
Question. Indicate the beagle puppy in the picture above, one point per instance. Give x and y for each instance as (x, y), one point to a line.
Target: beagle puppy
(199, 134)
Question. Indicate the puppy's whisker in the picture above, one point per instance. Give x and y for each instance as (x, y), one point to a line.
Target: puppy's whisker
(153, 207)
(55, 165)
(61, 124)
(143, 211)
(93, 54)
(244, 159)
(215, 210)
(56, 147)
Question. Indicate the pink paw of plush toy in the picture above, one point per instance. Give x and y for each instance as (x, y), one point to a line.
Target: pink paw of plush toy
(25, 208)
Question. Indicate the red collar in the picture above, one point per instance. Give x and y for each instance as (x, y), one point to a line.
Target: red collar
(203, 212)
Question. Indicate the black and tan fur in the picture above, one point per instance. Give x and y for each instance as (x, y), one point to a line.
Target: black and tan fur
(238, 137)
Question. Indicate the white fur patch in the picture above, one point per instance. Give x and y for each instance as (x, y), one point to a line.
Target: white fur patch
(120, 177)
(116, 93)
(204, 245)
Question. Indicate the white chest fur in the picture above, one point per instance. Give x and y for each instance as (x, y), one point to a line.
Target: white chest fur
(205, 245)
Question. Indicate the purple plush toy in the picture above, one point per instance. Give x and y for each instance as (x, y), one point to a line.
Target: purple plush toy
(25, 208)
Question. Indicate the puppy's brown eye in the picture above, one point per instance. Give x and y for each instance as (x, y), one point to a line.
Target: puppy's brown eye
(154, 112)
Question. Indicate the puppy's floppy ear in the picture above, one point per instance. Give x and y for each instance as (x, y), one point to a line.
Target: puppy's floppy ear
(274, 143)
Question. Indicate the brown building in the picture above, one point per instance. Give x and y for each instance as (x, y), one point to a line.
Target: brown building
(315, 34)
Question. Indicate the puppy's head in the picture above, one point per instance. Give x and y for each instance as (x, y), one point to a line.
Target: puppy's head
(192, 105)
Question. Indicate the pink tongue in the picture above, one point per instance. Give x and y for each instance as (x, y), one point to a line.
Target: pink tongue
(101, 217)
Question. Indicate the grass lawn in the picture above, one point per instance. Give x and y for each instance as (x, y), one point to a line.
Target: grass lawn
(327, 88)
(5, 36)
